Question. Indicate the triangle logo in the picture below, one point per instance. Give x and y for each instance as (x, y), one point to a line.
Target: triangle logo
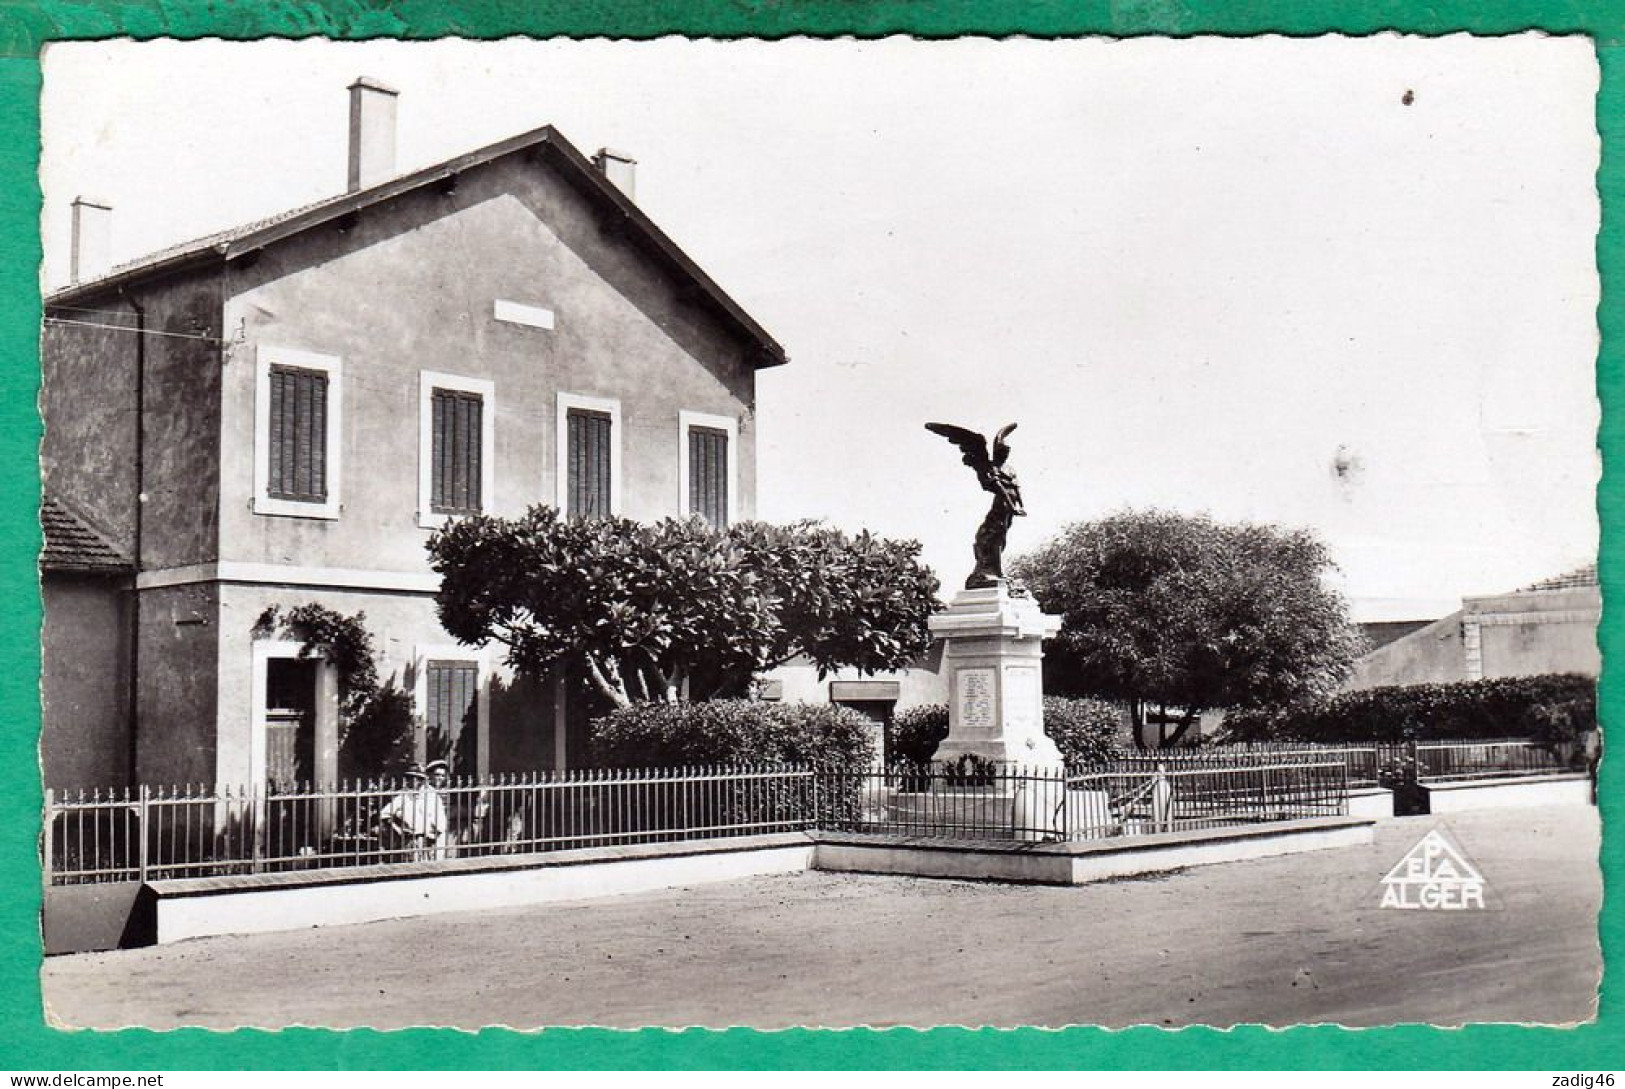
(1434, 876)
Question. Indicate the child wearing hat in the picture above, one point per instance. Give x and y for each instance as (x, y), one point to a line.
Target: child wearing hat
(416, 817)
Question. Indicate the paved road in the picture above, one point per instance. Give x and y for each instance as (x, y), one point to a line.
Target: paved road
(1280, 941)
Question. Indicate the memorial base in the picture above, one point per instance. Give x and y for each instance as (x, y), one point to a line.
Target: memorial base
(993, 655)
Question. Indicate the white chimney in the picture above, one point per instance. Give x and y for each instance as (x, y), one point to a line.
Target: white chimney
(620, 168)
(372, 133)
(92, 238)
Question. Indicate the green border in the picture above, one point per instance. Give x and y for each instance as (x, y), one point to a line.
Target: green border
(26, 1044)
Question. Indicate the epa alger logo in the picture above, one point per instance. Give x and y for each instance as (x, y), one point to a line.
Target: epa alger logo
(1434, 876)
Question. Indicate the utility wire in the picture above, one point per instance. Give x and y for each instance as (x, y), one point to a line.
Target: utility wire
(132, 329)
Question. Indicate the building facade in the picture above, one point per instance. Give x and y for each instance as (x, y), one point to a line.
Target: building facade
(282, 415)
(1548, 627)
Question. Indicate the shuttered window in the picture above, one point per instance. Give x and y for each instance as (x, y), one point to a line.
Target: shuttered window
(298, 435)
(458, 420)
(589, 463)
(708, 474)
(453, 713)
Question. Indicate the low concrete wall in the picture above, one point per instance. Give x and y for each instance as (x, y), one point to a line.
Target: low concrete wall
(175, 910)
(83, 918)
(201, 907)
(1080, 863)
(1457, 797)
(1373, 802)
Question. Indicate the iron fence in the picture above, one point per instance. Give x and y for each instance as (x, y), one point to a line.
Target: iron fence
(1366, 765)
(1492, 758)
(153, 833)
(149, 834)
(1007, 802)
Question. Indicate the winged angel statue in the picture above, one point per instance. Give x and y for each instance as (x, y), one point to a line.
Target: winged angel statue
(1001, 482)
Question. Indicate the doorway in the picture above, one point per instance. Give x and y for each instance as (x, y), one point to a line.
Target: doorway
(290, 723)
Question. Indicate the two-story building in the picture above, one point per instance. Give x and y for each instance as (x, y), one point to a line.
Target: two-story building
(282, 413)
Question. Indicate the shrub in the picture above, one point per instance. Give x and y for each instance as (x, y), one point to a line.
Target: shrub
(674, 735)
(1086, 731)
(1554, 708)
(916, 733)
(666, 735)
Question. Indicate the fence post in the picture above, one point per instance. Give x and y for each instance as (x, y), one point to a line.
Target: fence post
(815, 823)
(256, 810)
(48, 836)
(142, 808)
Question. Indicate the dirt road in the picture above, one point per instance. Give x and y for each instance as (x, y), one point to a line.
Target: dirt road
(1280, 941)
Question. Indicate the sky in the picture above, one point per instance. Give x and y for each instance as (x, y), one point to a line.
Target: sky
(1347, 284)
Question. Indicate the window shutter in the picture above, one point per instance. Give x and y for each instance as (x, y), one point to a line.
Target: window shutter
(456, 427)
(708, 474)
(589, 448)
(453, 698)
(298, 435)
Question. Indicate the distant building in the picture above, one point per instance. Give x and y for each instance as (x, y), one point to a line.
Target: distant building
(878, 696)
(280, 414)
(1548, 627)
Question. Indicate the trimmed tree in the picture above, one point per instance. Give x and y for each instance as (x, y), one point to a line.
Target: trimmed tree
(1183, 614)
(653, 612)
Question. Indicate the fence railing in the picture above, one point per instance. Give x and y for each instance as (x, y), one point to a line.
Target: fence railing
(1009, 802)
(1491, 758)
(1364, 764)
(149, 834)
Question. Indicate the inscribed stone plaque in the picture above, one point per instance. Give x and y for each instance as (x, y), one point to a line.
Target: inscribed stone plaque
(975, 697)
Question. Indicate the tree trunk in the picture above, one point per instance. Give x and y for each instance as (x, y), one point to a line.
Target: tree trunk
(614, 690)
(1185, 723)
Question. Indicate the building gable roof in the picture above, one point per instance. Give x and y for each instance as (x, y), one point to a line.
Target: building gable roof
(545, 142)
(72, 544)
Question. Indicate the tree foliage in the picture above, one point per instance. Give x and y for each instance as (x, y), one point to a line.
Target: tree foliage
(649, 610)
(1189, 614)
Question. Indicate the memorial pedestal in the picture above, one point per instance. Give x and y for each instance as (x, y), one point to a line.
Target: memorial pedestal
(993, 653)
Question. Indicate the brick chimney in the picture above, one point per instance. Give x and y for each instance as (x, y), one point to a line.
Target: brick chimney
(620, 168)
(372, 133)
(91, 241)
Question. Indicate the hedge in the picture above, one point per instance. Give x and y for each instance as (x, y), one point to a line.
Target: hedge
(1553, 708)
(673, 735)
(1086, 731)
(748, 732)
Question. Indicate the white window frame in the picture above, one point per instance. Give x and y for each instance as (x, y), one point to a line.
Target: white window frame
(612, 407)
(266, 357)
(428, 382)
(325, 726)
(480, 658)
(686, 422)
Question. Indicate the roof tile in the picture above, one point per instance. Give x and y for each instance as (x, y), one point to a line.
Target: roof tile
(72, 544)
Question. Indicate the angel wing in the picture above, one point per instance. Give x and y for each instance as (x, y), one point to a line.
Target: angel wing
(1001, 449)
(973, 445)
